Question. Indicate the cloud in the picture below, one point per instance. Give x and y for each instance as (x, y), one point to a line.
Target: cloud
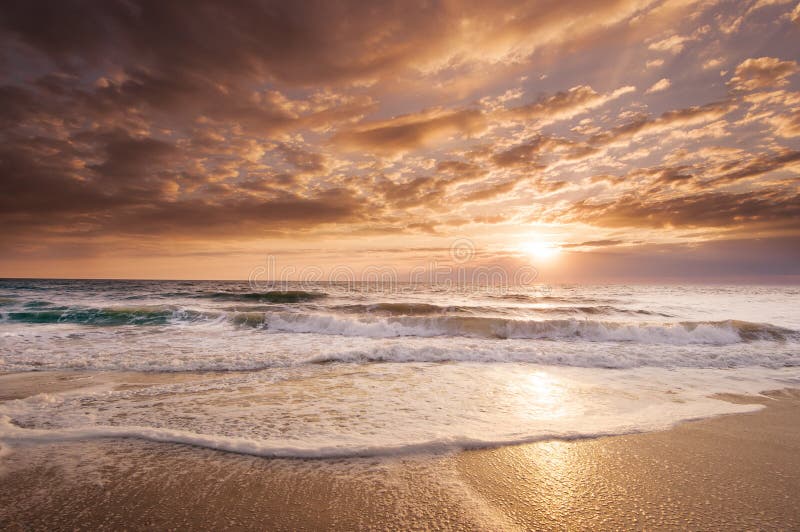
(711, 209)
(541, 150)
(409, 132)
(530, 153)
(489, 191)
(762, 73)
(566, 104)
(787, 125)
(658, 86)
(688, 116)
(206, 123)
(759, 4)
(712, 168)
(316, 42)
(712, 63)
(134, 187)
(460, 170)
(594, 244)
(305, 161)
(757, 166)
(416, 192)
(673, 44)
(130, 158)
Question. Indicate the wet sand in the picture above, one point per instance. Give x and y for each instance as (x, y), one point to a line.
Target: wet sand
(731, 472)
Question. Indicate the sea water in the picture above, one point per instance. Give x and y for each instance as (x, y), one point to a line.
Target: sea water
(315, 370)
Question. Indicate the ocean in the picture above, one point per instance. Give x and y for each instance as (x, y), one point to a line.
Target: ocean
(321, 370)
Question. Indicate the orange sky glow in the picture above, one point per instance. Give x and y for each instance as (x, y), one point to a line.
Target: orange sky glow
(617, 141)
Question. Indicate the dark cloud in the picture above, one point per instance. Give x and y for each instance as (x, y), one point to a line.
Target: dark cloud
(239, 38)
(673, 175)
(40, 179)
(304, 160)
(239, 216)
(712, 209)
(306, 42)
(534, 152)
(409, 132)
(129, 158)
(755, 166)
(132, 190)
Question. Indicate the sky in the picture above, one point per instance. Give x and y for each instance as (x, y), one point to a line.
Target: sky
(615, 141)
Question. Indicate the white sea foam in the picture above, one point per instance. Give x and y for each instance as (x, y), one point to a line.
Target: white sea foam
(386, 409)
(221, 348)
(717, 333)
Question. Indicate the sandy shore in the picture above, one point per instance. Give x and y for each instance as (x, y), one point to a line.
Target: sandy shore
(732, 472)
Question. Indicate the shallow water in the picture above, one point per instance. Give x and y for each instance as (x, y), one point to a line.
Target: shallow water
(335, 370)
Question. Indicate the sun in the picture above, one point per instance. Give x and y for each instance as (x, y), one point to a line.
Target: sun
(540, 250)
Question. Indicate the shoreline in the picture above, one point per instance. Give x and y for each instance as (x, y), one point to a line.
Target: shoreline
(730, 471)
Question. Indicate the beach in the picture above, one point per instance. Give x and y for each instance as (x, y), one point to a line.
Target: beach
(210, 405)
(738, 471)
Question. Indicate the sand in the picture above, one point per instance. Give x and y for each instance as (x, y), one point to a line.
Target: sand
(731, 472)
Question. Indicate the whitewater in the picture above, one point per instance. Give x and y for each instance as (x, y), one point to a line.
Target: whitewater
(320, 370)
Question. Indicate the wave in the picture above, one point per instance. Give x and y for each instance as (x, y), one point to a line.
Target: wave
(114, 357)
(9, 432)
(579, 358)
(411, 309)
(274, 296)
(291, 448)
(108, 316)
(717, 333)
(387, 320)
(534, 298)
(405, 309)
(607, 309)
(277, 296)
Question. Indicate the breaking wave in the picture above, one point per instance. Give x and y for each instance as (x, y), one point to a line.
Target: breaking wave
(386, 320)
(712, 332)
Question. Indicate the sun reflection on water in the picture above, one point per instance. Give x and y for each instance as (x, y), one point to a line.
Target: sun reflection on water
(540, 395)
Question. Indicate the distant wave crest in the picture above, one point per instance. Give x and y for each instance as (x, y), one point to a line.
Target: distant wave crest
(276, 296)
(411, 309)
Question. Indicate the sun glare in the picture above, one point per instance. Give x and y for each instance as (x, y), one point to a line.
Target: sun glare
(541, 250)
